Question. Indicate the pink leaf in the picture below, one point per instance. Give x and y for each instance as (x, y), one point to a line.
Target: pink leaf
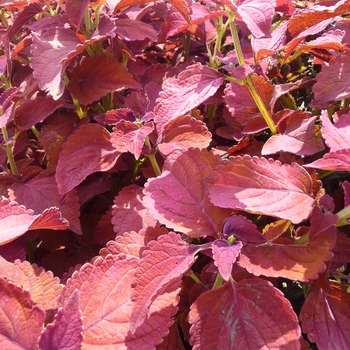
(257, 15)
(191, 88)
(335, 161)
(98, 76)
(262, 186)
(21, 321)
(296, 136)
(332, 81)
(129, 211)
(48, 51)
(131, 30)
(250, 314)
(87, 151)
(325, 317)
(178, 199)
(75, 10)
(66, 330)
(130, 137)
(225, 255)
(163, 264)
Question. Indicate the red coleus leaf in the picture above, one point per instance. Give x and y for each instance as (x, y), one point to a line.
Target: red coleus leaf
(164, 262)
(262, 186)
(225, 255)
(48, 51)
(21, 321)
(192, 87)
(75, 11)
(296, 136)
(257, 15)
(325, 317)
(178, 199)
(66, 330)
(131, 30)
(44, 288)
(182, 133)
(106, 306)
(331, 82)
(15, 220)
(335, 161)
(129, 212)
(130, 137)
(301, 262)
(98, 76)
(87, 151)
(250, 314)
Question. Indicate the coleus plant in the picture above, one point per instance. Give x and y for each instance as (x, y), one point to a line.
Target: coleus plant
(175, 175)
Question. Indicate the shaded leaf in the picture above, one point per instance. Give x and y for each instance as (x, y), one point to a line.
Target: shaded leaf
(262, 186)
(325, 317)
(178, 199)
(87, 151)
(250, 314)
(98, 76)
(21, 321)
(66, 330)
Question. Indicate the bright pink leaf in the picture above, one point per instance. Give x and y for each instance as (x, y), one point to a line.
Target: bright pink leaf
(257, 15)
(164, 262)
(178, 199)
(262, 186)
(250, 314)
(131, 30)
(98, 76)
(21, 321)
(192, 87)
(225, 255)
(325, 317)
(129, 211)
(335, 161)
(66, 330)
(130, 137)
(296, 135)
(184, 132)
(87, 151)
(332, 81)
(48, 50)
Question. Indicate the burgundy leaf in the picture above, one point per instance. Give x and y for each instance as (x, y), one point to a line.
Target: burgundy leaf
(250, 314)
(296, 136)
(66, 330)
(331, 82)
(325, 317)
(178, 199)
(130, 137)
(191, 88)
(262, 186)
(164, 262)
(87, 151)
(225, 255)
(131, 30)
(98, 76)
(48, 50)
(184, 132)
(75, 11)
(257, 15)
(113, 116)
(129, 211)
(21, 321)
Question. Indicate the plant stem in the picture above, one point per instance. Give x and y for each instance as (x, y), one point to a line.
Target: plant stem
(343, 215)
(9, 153)
(195, 278)
(152, 158)
(218, 281)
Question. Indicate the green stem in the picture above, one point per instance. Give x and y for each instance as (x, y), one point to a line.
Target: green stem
(35, 132)
(195, 278)
(211, 115)
(218, 282)
(152, 158)
(9, 153)
(343, 215)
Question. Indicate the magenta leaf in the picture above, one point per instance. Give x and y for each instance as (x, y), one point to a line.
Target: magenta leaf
(331, 82)
(225, 255)
(325, 317)
(335, 161)
(87, 151)
(131, 30)
(244, 314)
(164, 262)
(257, 15)
(75, 11)
(262, 186)
(191, 88)
(66, 330)
(296, 135)
(21, 321)
(178, 199)
(48, 50)
(98, 76)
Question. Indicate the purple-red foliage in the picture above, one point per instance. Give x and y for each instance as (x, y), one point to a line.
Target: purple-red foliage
(170, 182)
